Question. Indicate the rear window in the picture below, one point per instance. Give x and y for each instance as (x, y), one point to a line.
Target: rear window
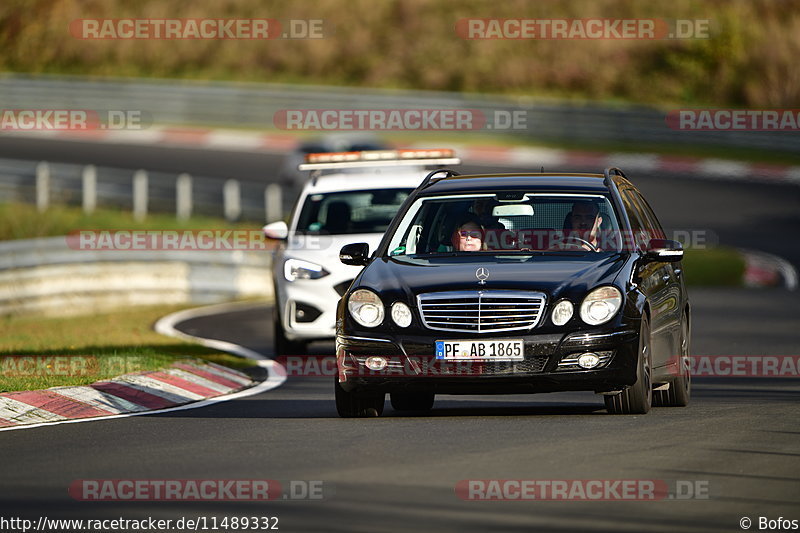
(341, 213)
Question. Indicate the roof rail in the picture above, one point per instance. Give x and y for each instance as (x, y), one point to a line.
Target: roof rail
(429, 179)
(607, 172)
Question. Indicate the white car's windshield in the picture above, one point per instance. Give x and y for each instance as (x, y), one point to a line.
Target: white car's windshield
(508, 222)
(339, 213)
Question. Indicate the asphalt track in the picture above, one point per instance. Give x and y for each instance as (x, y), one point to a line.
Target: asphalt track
(738, 438)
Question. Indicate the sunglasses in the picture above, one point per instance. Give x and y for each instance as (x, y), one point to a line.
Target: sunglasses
(475, 234)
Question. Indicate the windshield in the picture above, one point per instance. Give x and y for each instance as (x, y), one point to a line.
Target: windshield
(341, 213)
(511, 222)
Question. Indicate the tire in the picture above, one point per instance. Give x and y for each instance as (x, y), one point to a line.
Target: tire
(412, 402)
(352, 405)
(636, 399)
(680, 388)
(284, 346)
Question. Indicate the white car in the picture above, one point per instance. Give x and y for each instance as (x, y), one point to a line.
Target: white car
(350, 197)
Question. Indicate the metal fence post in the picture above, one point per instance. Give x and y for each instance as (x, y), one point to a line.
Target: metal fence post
(273, 203)
(183, 196)
(140, 187)
(232, 200)
(89, 190)
(42, 186)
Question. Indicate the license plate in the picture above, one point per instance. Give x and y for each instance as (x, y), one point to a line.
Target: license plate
(488, 350)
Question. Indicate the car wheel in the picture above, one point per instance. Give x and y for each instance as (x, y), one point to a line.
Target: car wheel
(637, 398)
(680, 388)
(284, 346)
(412, 402)
(352, 405)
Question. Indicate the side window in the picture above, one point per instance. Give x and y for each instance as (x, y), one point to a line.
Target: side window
(653, 224)
(639, 224)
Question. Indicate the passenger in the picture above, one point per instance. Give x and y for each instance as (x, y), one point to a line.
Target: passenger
(468, 236)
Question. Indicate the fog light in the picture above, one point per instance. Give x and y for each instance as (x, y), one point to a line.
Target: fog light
(588, 360)
(376, 362)
(562, 312)
(401, 314)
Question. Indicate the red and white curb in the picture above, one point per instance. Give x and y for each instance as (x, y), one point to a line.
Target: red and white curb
(768, 270)
(549, 158)
(188, 382)
(185, 385)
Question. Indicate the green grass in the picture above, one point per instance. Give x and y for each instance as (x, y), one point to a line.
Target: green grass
(91, 348)
(713, 267)
(23, 221)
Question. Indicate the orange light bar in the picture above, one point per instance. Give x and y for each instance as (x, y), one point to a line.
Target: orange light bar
(380, 155)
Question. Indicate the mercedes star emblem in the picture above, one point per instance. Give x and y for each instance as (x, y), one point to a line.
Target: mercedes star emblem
(482, 274)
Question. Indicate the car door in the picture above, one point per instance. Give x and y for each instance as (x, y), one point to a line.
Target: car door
(653, 278)
(675, 300)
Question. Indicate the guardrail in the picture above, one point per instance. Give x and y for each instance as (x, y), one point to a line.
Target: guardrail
(46, 276)
(140, 191)
(254, 105)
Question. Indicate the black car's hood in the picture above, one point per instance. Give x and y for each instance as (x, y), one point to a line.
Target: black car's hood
(550, 273)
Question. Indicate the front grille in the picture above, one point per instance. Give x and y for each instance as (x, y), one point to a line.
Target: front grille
(481, 311)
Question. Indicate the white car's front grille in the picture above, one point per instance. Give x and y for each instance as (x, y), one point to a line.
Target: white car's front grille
(482, 311)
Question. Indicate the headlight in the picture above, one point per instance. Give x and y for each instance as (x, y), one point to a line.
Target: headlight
(297, 269)
(366, 308)
(401, 314)
(562, 312)
(601, 305)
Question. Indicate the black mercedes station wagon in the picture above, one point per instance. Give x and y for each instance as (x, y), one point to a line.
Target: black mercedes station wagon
(516, 283)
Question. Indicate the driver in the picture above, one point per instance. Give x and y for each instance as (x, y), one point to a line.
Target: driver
(584, 223)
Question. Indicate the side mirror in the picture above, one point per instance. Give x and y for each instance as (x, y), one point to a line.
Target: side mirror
(356, 254)
(664, 250)
(277, 230)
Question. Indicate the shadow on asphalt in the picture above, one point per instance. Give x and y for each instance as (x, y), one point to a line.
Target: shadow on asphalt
(311, 409)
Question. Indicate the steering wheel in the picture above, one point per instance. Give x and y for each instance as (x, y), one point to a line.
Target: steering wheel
(581, 242)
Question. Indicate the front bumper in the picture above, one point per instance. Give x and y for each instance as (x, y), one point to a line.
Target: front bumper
(320, 297)
(413, 368)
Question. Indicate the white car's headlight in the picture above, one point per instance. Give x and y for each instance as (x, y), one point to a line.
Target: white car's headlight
(401, 314)
(601, 305)
(298, 269)
(562, 312)
(366, 308)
